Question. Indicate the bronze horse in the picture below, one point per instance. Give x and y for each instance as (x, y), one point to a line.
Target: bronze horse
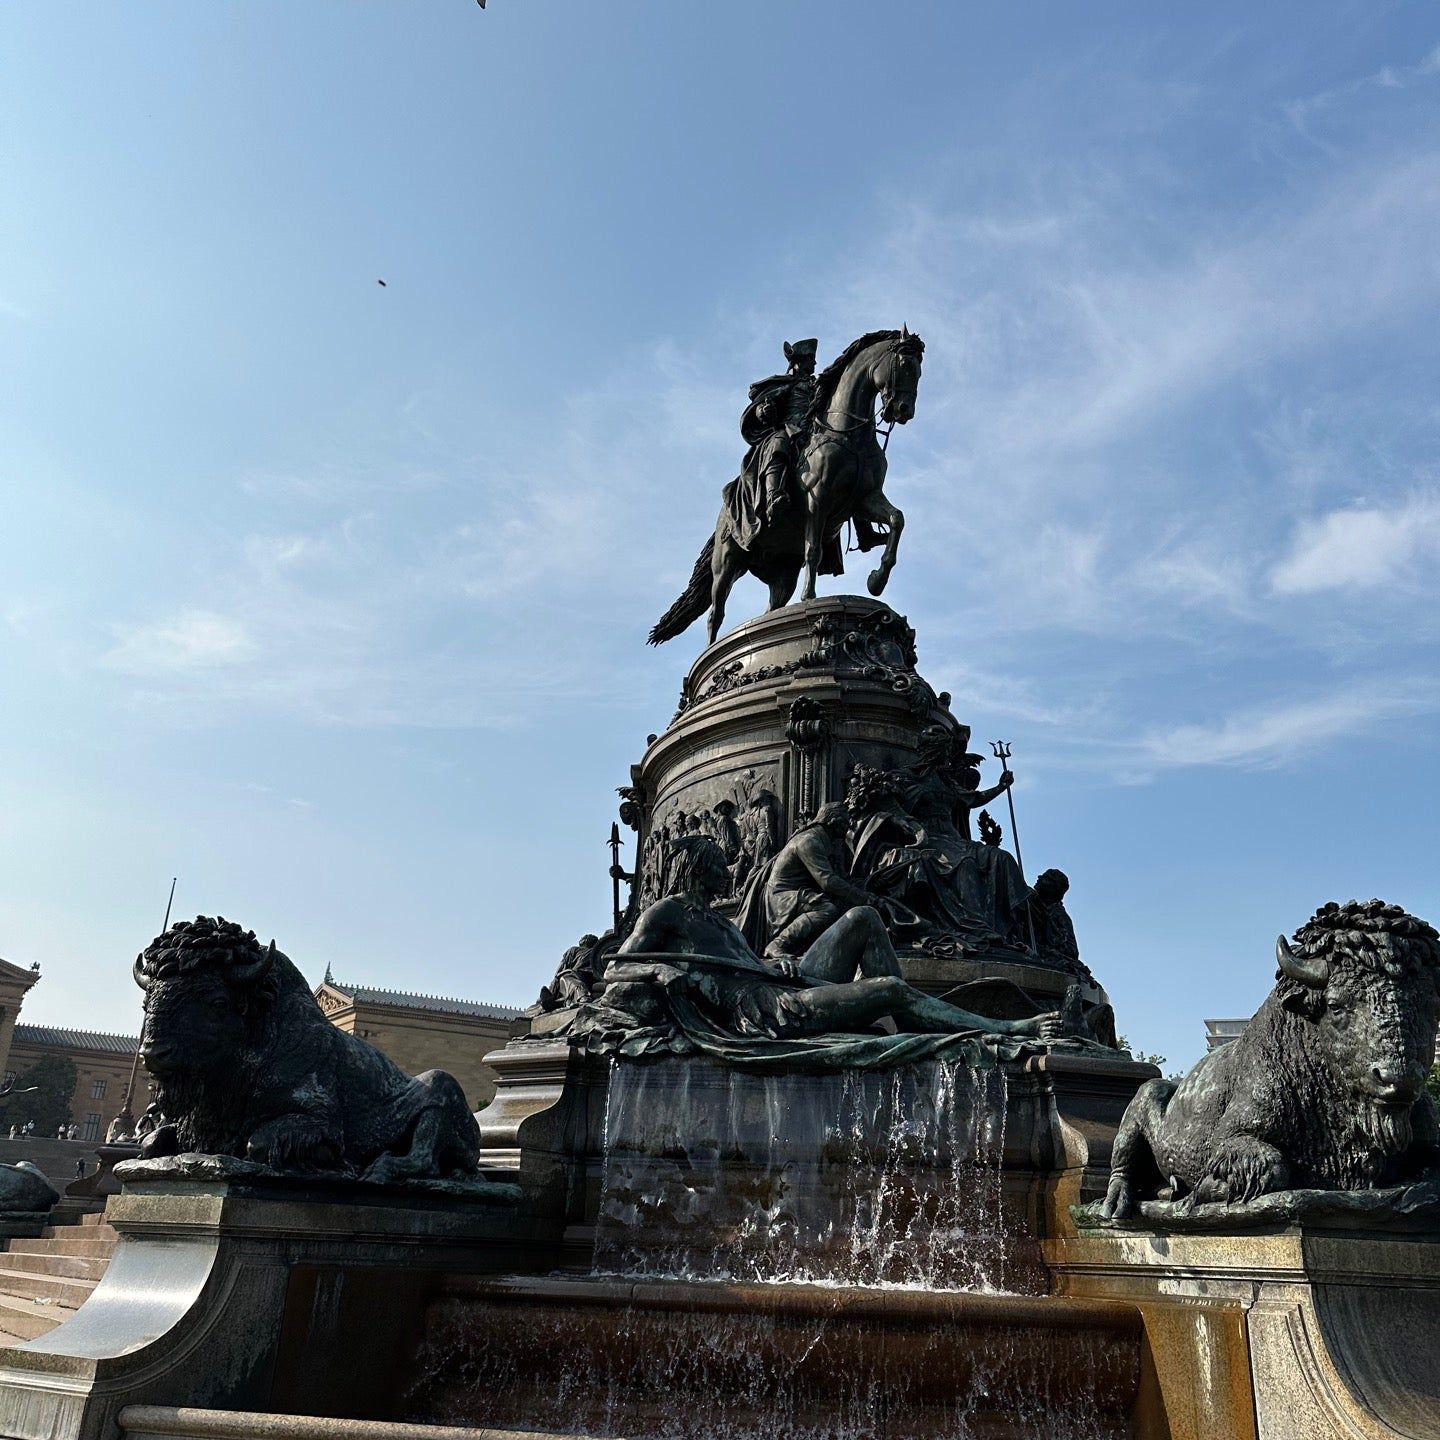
(841, 477)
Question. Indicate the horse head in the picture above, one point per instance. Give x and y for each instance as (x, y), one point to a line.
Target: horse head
(897, 377)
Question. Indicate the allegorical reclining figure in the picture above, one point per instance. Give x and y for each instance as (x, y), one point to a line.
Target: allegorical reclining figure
(844, 982)
(247, 1065)
(1324, 1090)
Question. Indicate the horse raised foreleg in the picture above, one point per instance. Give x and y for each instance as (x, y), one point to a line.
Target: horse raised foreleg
(876, 508)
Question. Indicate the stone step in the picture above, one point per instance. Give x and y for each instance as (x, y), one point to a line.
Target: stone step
(25, 1284)
(22, 1320)
(70, 1211)
(78, 1245)
(95, 1218)
(152, 1422)
(65, 1267)
(84, 1230)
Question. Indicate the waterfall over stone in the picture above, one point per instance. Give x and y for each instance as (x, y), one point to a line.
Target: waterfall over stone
(795, 1255)
(855, 1178)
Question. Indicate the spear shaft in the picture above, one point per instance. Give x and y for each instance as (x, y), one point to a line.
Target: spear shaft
(614, 843)
(1001, 750)
(135, 1063)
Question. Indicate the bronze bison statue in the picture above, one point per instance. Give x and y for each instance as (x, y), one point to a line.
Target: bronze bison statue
(1325, 1089)
(247, 1065)
(25, 1189)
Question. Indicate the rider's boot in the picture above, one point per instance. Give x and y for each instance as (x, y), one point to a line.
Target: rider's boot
(777, 502)
(866, 535)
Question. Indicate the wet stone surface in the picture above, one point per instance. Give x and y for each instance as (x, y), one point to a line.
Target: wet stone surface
(714, 1360)
(883, 1178)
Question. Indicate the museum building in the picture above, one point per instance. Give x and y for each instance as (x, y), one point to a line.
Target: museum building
(102, 1070)
(423, 1032)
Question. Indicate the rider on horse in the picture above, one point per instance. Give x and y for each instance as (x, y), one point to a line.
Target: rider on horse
(774, 426)
(815, 461)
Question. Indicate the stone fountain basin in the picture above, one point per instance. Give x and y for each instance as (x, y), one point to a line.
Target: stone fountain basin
(639, 1358)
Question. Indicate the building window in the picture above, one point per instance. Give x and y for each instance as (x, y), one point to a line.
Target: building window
(92, 1127)
(97, 1089)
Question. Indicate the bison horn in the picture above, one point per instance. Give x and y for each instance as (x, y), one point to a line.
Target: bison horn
(138, 971)
(1307, 972)
(248, 974)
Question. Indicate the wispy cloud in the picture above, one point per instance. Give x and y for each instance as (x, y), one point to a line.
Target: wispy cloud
(294, 802)
(1197, 574)
(1278, 734)
(1362, 548)
(193, 640)
(479, 601)
(1300, 113)
(1123, 347)
(327, 482)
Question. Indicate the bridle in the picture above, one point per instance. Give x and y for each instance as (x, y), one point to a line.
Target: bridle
(880, 427)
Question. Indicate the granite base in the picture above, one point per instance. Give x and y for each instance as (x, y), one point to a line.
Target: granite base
(240, 1293)
(1311, 1332)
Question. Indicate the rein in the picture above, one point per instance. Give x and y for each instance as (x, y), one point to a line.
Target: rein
(879, 427)
(861, 421)
(845, 433)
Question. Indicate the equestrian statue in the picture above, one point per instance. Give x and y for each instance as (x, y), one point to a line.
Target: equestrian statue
(815, 460)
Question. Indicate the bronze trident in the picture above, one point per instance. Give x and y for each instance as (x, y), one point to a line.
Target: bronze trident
(1002, 750)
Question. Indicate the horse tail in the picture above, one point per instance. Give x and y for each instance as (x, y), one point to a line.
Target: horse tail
(692, 604)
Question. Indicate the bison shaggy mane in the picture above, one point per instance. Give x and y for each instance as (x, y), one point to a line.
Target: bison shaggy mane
(190, 945)
(1380, 937)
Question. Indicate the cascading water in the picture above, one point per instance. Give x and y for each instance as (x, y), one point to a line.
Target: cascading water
(856, 1178)
(703, 1361)
(790, 1257)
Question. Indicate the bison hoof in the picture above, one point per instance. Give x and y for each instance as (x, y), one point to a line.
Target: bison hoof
(1119, 1203)
(386, 1170)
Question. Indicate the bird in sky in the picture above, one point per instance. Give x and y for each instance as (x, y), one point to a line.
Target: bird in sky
(382, 283)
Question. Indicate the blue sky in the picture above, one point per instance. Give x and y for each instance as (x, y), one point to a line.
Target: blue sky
(331, 598)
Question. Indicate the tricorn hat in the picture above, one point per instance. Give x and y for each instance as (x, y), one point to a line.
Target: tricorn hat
(794, 349)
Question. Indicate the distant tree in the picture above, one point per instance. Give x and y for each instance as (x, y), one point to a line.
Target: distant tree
(1148, 1057)
(53, 1078)
(1145, 1057)
(1433, 1083)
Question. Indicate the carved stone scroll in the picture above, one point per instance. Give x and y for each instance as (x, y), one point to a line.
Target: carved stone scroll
(808, 730)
